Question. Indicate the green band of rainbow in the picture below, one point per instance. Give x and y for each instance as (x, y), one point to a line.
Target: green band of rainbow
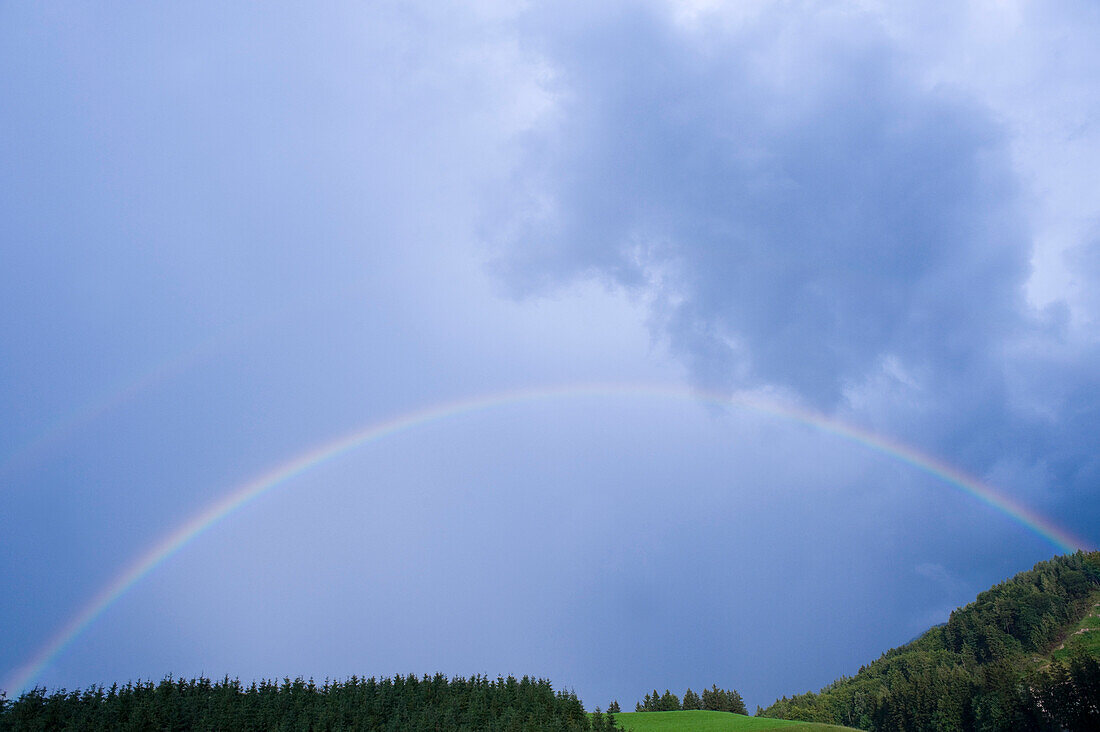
(22, 677)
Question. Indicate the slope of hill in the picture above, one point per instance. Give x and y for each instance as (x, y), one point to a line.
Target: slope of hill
(1010, 660)
(1085, 637)
(703, 721)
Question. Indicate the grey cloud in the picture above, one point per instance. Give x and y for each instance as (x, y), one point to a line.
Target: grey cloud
(795, 204)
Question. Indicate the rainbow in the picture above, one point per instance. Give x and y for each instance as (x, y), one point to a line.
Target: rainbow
(21, 678)
(111, 400)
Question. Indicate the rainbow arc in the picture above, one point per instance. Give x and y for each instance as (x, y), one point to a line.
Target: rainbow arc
(242, 495)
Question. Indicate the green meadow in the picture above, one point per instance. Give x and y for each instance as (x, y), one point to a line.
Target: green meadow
(700, 721)
(1085, 635)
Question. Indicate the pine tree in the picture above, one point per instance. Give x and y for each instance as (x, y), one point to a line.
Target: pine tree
(691, 700)
(669, 702)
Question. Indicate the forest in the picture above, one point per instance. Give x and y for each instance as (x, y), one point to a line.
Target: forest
(992, 666)
(405, 703)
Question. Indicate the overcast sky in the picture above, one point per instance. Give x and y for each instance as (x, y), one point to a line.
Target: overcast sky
(231, 233)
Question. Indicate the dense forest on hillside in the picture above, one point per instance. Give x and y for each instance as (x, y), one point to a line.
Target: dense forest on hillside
(990, 667)
(400, 703)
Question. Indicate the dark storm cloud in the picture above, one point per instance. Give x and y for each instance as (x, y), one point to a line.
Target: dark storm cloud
(808, 208)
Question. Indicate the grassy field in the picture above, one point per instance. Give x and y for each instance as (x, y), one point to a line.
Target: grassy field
(1085, 635)
(711, 722)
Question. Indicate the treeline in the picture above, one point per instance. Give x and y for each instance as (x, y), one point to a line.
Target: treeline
(398, 703)
(713, 699)
(987, 668)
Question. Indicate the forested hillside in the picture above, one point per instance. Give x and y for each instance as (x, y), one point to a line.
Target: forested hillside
(400, 704)
(1007, 661)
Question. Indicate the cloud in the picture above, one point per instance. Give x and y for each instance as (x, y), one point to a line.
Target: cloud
(798, 208)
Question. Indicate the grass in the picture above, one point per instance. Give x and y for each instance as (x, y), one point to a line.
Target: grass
(699, 721)
(1089, 640)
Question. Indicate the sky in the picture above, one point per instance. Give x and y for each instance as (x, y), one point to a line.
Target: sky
(234, 234)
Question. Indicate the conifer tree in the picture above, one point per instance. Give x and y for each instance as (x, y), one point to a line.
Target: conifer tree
(736, 703)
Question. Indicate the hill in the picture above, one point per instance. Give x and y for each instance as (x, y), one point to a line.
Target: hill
(1022, 656)
(703, 721)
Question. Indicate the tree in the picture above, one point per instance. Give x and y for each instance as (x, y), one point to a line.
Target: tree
(712, 699)
(736, 703)
(721, 700)
(669, 702)
(691, 700)
(613, 707)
